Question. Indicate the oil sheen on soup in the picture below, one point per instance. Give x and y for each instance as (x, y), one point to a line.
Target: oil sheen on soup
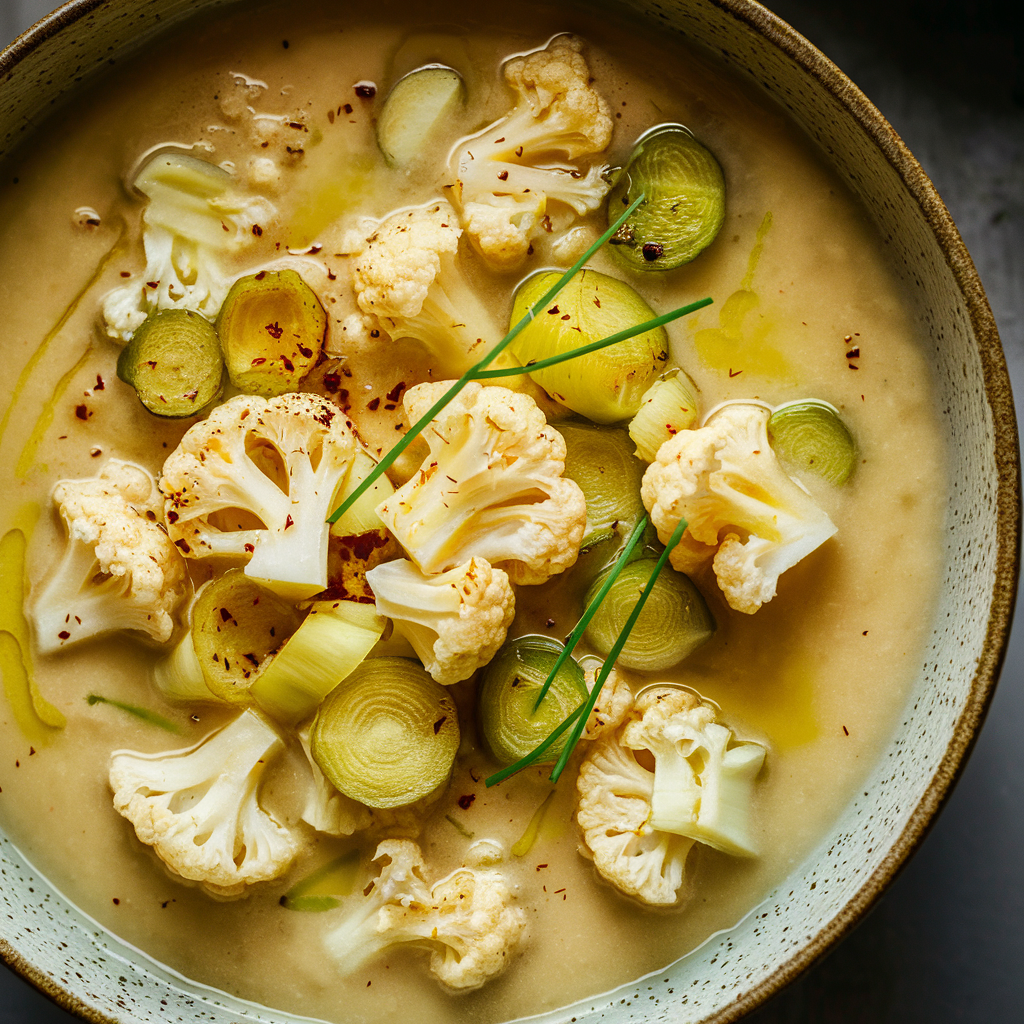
(288, 134)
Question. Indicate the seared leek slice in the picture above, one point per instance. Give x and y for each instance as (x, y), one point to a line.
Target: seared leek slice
(236, 625)
(387, 735)
(360, 517)
(605, 386)
(602, 462)
(674, 622)
(684, 204)
(669, 405)
(415, 109)
(332, 640)
(510, 725)
(173, 362)
(810, 435)
(272, 329)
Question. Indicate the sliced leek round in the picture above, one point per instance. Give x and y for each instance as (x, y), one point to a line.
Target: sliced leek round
(669, 405)
(509, 724)
(415, 109)
(674, 622)
(810, 435)
(387, 735)
(605, 386)
(601, 461)
(684, 204)
(236, 625)
(333, 639)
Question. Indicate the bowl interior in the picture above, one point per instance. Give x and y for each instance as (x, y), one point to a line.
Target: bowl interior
(90, 972)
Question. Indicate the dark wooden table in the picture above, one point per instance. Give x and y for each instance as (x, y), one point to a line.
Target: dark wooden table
(946, 943)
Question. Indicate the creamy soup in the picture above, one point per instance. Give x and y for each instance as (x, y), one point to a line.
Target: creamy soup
(805, 307)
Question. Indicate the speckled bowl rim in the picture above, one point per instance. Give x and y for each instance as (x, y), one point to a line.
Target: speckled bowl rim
(1008, 502)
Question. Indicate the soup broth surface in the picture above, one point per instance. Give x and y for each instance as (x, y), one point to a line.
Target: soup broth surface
(800, 281)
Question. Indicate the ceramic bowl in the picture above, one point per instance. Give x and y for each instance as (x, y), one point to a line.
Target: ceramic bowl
(91, 973)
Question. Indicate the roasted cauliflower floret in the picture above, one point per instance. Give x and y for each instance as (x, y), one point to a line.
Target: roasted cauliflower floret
(528, 174)
(410, 278)
(119, 570)
(455, 621)
(742, 509)
(639, 825)
(256, 481)
(198, 807)
(492, 487)
(467, 919)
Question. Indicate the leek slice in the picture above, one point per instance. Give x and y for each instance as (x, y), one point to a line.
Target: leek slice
(387, 735)
(415, 109)
(272, 330)
(332, 640)
(605, 386)
(669, 405)
(684, 204)
(510, 723)
(674, 622)
(236, 625)
(810, 435)
(323, 888)
(360, 517)
(602, 462)
(180, 677)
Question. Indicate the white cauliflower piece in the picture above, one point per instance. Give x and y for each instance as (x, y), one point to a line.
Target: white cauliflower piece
(613, 703)
(492, 487)
(195, 224)
(119, 570)
(256, 481)
(410, 278)
(527, 174)
(455, 621)
(198, 807)
(467, 919)
(741, 507)
(639, 825)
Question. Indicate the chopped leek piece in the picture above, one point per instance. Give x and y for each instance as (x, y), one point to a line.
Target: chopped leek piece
(604, 386)
(332, 640)
(179, 676)
(415, 109)
(143, 714)
(602, 462)
(322, 889)
(360, 516)
(387, 735)
(810, 435)
(272, 329)
(684, 205)
(236, 625)
(525, 843)
(668, 406)
(673, 624)
(510, 724)
(173, 362)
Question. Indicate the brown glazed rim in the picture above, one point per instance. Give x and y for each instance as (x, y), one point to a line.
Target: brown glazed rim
(1007, 457)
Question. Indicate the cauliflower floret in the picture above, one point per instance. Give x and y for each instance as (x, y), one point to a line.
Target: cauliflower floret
(492, 487)
(119, 570)
(195, 223)
(467, 919)
(455, 621)
(257, 480)
(527, 174)
(639, 825)
(333, 813)
(613, 703)
(726, 482)
(409, 277)
(198, 807)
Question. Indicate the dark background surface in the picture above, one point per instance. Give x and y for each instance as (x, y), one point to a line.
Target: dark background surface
(946, 943)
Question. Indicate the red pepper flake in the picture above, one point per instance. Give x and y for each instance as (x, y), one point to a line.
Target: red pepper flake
(365, 90)
(373, 404)
(259, 277)
(854, 353)
(117, 902)
(330, 116)
(258, 361)
(99, 383)
(390, 406)
(249, 549)
(287, 363)
(503, 176)
(438, 724)
(553, 311)
(519, 151)
(152, 284)
(289, 522)
(539, 866)
(125, 273)
(182, 546)
(567, 316)
(332, 381)
(550, 623)
(846, 732)
(252, 659)
(502, 139)
(865, 633)
(653, 251)
(347, 108)
(82, 412)
(734, 373)
(396, 392)
(852, 367)
(465, 802)
(63, 634)
(95, 452)
(275, 330)
(224, 615)
(172, 516)
(257, 230)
